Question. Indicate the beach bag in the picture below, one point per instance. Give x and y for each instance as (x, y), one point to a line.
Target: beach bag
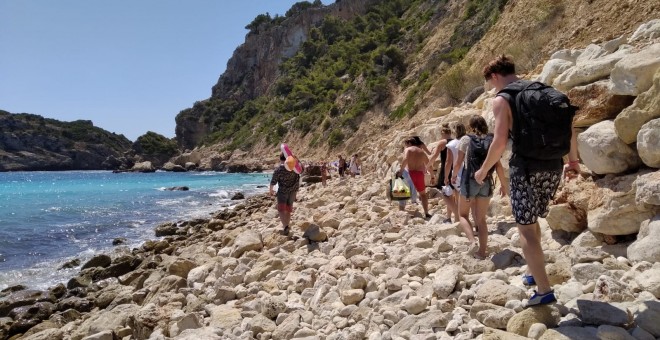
(542, 120)
(399, 190)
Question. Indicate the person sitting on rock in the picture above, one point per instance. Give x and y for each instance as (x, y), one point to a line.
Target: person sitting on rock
(472, 151)
(288, 184)
(533, 180)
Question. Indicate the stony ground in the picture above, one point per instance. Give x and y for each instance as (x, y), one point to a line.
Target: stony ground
(353, 267)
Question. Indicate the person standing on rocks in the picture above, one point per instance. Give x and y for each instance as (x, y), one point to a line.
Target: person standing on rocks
(416, 141)
(444, 172)
(355, 165)
(472, 151)
(534, 173)
(415, 161)
(341, 166)
(324, 172)
(288, 184)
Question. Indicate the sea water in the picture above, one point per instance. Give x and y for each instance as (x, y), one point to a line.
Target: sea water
(49, 218)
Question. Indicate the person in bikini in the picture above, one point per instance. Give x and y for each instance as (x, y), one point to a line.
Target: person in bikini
(415, 160)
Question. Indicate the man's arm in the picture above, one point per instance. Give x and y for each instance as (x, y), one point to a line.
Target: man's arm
(573, 158)
(457, 166)
(502, 113)
(404, 162)
(273, 181)
(437, 150)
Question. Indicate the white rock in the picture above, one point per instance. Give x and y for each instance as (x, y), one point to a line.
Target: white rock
(105, 335)
(646, 247)
(445, 280)
(584, 272)
(633, 74)
(648, 143)
(536, 330)
(352, 296)
(415, 305)
(589, 71)
(591, 52)
(603, 152)
(246, 241)
(586, 239)
(553, 68)
(645, 108)
(190, 321)
(646, 31)
(647, 187)
(612, 45)
(650, 281)
(568, 55)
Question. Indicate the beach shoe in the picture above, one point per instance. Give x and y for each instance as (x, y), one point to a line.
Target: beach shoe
(474, 247)
(528, 280)
(541, 299)
(428, 215)
(285, 231)
(446, 221)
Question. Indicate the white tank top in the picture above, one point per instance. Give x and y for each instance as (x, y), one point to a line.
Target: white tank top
(453, 147)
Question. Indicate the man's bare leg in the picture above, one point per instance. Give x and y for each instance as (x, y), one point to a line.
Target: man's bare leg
(530, 235)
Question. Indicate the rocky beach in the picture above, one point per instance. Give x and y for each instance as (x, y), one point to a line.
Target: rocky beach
(356, 267)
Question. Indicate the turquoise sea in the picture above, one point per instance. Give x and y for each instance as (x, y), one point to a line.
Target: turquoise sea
(48, 218)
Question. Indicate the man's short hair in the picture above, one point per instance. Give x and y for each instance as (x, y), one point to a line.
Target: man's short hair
(282, 157)
(501, 65)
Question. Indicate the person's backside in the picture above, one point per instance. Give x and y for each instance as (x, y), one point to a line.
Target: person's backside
(533, 180)
(288, 184)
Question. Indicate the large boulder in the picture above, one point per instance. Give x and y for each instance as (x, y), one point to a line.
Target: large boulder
(647, 187)
(646, 31)
(648, 143)
(619, 213)
(589, 71)
(521, 322)
(633, 74)
(603, 152)
(646, 107)
(602, 313)
(567, 217)
(553, 68)
(143, 167)
(498, 292)
(646, 247)
(246, 241)
(596, 103)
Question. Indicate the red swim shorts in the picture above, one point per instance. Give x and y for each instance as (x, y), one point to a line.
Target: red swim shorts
(417, 178)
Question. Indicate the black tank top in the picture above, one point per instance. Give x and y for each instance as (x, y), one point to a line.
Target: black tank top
(441, 171)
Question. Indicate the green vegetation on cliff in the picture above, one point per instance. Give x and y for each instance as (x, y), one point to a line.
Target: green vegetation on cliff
(32, 142)
(155, 147)
(341, 71)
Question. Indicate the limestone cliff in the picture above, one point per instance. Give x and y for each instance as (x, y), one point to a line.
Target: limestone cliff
(31, 142)
(253, 68)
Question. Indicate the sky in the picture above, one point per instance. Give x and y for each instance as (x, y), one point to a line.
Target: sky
(128, 66)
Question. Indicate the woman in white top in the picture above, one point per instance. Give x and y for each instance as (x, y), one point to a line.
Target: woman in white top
(354, 168)
(473, 196)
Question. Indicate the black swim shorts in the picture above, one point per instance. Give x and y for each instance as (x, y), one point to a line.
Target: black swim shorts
(531, 193)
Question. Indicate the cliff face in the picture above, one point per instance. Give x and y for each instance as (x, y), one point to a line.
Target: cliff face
(30, 142)
(253, 67)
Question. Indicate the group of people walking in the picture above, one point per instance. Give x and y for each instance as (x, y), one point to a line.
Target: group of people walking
(537, 118)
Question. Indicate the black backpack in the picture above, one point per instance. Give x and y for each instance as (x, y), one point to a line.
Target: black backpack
(542, 120)
(476, 156)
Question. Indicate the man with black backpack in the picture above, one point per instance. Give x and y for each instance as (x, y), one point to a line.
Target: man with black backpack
(539, 120)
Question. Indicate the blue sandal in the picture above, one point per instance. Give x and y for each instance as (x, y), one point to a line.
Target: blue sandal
(541, 299)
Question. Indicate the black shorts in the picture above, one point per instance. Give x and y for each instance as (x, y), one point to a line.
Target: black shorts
(531, 193)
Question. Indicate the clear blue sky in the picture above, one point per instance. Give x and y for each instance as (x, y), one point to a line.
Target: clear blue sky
(129, 66)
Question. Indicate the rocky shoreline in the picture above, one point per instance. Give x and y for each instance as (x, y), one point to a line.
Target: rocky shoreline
(354, 268)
